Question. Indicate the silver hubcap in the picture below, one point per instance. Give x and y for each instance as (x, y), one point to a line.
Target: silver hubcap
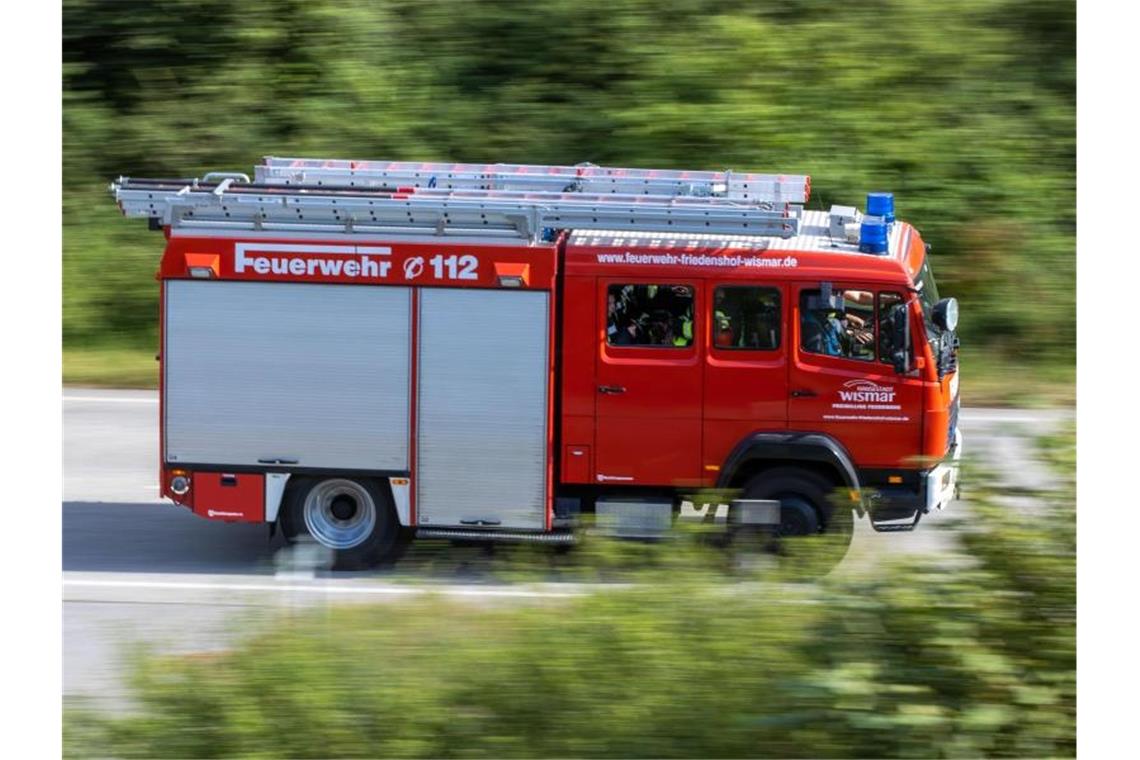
(340, 514)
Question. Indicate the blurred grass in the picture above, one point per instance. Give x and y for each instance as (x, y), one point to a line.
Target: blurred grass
(110, 367)
(965, 109)
(915, 658)
(990, 378)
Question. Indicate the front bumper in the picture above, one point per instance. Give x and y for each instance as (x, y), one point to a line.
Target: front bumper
(901, 507)
(941, 483)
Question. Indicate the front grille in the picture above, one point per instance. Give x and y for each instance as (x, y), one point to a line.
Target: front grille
(949, 357)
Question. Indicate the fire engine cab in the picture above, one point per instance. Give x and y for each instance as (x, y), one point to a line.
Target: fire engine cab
(363, 352)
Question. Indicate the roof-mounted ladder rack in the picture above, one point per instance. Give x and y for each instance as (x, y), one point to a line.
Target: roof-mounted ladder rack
(583, 178)
(266, 204)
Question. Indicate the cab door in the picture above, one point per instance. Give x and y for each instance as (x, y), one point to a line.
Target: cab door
(841, 381)
(648, 383)
(746, 366)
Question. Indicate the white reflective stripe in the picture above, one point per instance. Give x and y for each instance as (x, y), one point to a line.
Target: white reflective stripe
(400, 496)
(274, 492)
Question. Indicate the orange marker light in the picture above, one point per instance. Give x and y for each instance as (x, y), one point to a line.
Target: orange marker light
(512, 275)
(202, 266)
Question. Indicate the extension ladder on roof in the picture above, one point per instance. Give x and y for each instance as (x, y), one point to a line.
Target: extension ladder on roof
(527, 209)
(584, 178)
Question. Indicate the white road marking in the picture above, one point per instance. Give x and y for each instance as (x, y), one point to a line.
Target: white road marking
(112, 399)
(979, 419)
(324, 589)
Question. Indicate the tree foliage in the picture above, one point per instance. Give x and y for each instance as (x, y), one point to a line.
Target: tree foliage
(965, 109)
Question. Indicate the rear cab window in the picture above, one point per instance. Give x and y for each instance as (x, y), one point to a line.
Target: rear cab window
(746, 318)
(655, 316)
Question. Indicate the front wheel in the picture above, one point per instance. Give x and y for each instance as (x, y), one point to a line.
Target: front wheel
(355, 519)
(814, 531)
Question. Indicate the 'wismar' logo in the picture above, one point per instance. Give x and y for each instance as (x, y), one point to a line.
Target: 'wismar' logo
(866, 390)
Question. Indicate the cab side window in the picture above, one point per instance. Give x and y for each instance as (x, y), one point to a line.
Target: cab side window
(746, 318)
(844, 328)
(649, 315)
(889, 305)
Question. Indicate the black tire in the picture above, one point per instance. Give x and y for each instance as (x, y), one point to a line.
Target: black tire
(815, 526)
(353, 518)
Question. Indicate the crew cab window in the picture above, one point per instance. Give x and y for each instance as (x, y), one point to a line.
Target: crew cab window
(649, 315)
(845, 329)
(746, 318)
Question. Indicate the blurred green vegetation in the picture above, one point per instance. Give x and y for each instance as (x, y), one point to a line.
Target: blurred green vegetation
(964, 108)
(110, 366)
(920, 657)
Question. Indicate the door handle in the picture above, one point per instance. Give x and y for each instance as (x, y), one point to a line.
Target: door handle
(803, 393)
(611, 389)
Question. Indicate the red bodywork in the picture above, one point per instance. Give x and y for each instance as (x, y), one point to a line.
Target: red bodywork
(234, 497)
(682, 411)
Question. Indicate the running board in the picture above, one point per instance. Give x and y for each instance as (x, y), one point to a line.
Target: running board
(495, 535)
(897, 526)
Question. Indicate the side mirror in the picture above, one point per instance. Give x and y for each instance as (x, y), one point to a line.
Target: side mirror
(900, 339)
(945, 314)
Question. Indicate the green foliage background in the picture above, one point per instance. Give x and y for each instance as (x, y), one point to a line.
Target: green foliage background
(922, 656)
(964, 108)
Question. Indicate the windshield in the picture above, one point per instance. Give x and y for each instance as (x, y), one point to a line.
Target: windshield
(928, 296)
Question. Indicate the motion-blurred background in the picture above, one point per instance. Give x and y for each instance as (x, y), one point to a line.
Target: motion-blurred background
(965, 109)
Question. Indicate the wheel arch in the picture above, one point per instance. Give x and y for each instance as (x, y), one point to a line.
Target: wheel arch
(815, 452)
(298, 483)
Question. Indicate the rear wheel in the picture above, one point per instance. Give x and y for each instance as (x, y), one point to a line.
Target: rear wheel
(814, 531)
(355, 519)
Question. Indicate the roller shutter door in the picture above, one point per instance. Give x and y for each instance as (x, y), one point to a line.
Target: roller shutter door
(482, 408)
(318, 373)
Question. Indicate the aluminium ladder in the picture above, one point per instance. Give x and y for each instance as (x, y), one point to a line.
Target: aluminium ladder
(584, 178)
(231, 201)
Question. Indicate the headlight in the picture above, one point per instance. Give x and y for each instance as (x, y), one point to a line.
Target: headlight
(946, 314)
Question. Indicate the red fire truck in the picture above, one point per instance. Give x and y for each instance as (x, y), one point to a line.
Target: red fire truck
(363, 352)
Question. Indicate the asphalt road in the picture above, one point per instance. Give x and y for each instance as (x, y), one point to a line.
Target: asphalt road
(137, 571)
